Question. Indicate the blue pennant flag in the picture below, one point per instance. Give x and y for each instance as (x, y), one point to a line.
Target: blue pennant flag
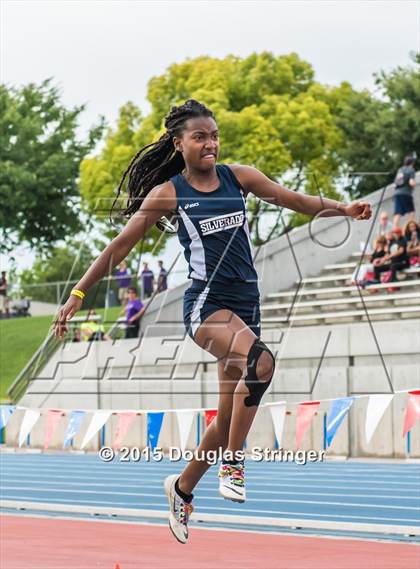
(6, 411)
(73, 427)
(338, 410)
(154, 424)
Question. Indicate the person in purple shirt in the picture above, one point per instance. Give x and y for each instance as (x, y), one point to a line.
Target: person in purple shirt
(162, 278)
(134, 311)
(123, 279)
(147, 281)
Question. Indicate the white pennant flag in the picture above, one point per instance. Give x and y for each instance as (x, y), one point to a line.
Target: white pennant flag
(185, 421)
(377, 405)
(278, 414)
(97, 422)
(29, 419)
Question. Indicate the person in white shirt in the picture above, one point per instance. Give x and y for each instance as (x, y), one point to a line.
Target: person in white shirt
(384, 226)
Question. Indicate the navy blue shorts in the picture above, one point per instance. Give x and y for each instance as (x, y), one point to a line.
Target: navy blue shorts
(202, 299)
(403, 203)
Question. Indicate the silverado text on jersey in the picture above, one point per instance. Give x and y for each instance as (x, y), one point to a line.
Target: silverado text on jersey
(213, 230)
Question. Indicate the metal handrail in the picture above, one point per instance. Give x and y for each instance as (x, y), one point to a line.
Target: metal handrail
(116, 327)
(48, 347)
(39, 358)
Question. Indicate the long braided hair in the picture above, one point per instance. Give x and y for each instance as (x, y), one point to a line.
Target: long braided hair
(157, 162)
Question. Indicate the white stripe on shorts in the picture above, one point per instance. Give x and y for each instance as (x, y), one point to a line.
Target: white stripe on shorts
(195, 312)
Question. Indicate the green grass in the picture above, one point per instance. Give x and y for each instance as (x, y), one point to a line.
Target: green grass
(19, 340)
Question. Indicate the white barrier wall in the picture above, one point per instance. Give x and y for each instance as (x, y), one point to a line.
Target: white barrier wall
(175, 373)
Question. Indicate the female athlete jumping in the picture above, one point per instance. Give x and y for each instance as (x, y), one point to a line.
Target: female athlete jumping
(177, 181)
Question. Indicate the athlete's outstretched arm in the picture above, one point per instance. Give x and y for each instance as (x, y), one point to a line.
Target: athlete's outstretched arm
(254, 181)
(160, 201)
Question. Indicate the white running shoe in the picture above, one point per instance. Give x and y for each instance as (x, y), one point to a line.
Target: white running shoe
(232, 482)
(179, 510)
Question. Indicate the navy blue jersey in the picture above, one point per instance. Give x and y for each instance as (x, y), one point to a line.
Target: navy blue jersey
(213, 229)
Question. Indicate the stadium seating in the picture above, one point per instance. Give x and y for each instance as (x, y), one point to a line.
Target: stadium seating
(331, 298)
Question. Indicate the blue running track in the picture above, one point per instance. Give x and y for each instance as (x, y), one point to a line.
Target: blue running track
(377, 493)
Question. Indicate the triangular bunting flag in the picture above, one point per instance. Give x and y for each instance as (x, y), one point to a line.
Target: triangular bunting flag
(413, 411)
(53, 417)
(154, 424)
(278, 414)
(98, 420)
(305, 414)
(75, 422)
(338, 410)
(376, 407)
(209, 415)
(185, 422)
(6, 411)
(29, 419)
(124, 423)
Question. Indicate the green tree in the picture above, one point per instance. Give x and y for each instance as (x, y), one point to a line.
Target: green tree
(401, 88)
(267, 115)
(273, 115)
(64, 263)
(39, 166)
(61, 263)
(100, 175)
(378, 132)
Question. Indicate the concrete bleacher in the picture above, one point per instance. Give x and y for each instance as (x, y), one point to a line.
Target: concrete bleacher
(313, 300)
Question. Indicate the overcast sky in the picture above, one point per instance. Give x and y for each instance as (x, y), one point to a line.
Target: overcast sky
(103, 53)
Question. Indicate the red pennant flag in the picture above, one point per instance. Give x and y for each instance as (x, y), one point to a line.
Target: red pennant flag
(52, 421)
(413, 411)
(305, 414)
(209, 416)
(124, 422)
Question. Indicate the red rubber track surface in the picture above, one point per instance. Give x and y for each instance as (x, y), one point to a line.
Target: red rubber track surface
(46, 543)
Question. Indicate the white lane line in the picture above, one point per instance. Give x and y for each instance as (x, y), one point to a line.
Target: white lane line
(410, 525)
(290, 531)
(337, 465)
(293, 476)
(287, 468)
(159, 496)
(211, 488)
(326, 465)
(274, 483)
(318, 515)
(141, 476)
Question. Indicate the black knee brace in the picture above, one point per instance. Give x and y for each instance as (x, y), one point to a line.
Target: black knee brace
(256, 387)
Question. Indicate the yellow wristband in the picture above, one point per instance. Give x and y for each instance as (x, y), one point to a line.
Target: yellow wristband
(78, 293)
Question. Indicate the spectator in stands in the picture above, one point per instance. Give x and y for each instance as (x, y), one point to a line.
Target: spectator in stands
(162, 283)
(405, 181)
(379, 251)
(123, 278)
(4, 300)
(395, 259)
(134, 310)
(147, 281)
(412, 238)
(76, 335)
(91, 330)
(384, 225)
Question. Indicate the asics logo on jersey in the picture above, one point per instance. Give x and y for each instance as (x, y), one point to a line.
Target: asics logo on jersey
(222, 222)
(188, 205)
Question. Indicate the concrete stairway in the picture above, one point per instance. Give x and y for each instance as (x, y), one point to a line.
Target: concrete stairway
(331, 298)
